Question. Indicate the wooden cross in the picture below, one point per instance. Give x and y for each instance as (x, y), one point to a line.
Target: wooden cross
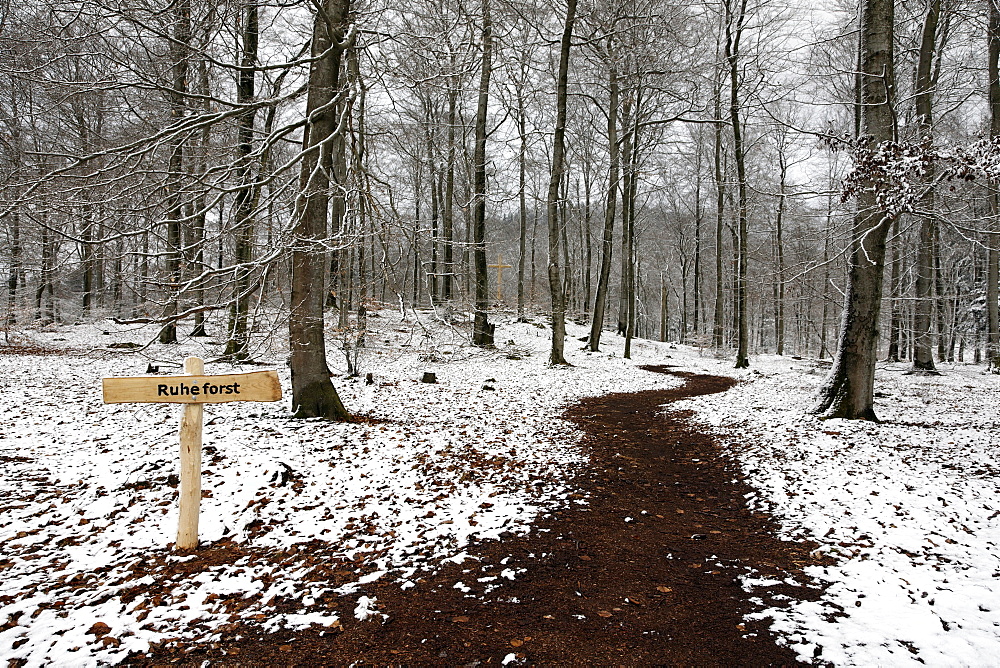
(193, 389)
(499, 266)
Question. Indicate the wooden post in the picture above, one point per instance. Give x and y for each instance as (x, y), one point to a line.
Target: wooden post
(193, 389)
(190, 487)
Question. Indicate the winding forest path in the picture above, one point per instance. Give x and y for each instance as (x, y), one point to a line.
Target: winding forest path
(647, 572)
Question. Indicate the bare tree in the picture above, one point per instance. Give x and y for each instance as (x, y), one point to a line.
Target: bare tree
(849, 389)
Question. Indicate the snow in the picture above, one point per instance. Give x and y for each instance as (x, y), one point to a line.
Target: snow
(89, 500)
(905, 510)
(908, 507)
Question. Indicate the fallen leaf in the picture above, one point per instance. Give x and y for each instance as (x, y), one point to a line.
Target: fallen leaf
(680, 512)
(603, 613)
(285, 648)
(585, 557)
(99, 629)
(664, 590)
(516, 642)
(548, 617)
(462, 618)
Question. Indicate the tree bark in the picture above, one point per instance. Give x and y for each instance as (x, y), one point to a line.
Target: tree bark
(720, 210)
(849, 389)
(734, 32)
(607, 242)
(482, 333)
(993, 238)
(555, 179)
(237, 347)
(923, 357)
(313, 395)
(179, 54)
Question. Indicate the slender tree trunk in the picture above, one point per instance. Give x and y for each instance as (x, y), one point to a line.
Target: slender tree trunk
(734, 32)
(313, 395)
(13, 278)
(448, 280)
(923, 358)
(482, 334)
(895, 323)
(849, 389)
(522, 198)
(237, 347)
(179, 54)
(607, 240)
(555, 180)
(993, 238)
(779, 256)
(698, 213)
(720, 212)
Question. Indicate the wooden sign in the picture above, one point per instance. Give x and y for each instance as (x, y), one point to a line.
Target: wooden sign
(193, 389)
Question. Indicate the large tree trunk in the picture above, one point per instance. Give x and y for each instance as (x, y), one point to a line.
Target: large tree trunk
(313, 395)
(923, 357)
(849, 390)
(482, 334)
(552, 205)
(607, 243)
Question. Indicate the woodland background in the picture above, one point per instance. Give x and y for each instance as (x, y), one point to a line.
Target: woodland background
(166, 161)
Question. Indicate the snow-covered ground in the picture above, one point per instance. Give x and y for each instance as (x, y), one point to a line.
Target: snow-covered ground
(908, 508)
(88, 499)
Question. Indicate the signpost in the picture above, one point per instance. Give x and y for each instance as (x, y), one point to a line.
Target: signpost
(194, 389)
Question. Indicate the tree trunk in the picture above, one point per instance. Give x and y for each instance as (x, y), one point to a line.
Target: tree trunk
(313, 395)
(779, 257)
(849, 390)
(734, 32)
(923, 357)
(448, 279)
(522, 197)
(720, 210)
(237, 347)
(482, 334)
(607, 243)
(179, 53)
(13, 279)
(558, 167)
(993, 238)
(895, 323)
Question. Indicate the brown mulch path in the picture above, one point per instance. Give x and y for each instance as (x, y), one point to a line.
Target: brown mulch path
(591, 586)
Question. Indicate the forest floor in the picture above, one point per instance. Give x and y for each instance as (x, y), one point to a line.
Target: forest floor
(511, 512)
